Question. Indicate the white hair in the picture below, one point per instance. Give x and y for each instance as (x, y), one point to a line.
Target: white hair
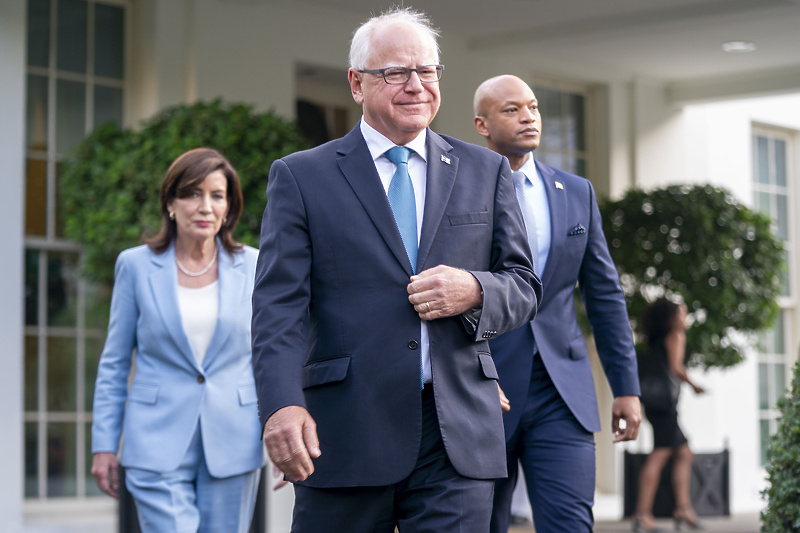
(362, 37)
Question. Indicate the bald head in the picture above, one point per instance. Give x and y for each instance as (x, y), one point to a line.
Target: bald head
(507, 116)
(488, 88)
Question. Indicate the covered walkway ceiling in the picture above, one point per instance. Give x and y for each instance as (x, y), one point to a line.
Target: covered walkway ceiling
(677, 42)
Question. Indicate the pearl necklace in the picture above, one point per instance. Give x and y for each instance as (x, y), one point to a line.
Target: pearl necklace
(196, 274)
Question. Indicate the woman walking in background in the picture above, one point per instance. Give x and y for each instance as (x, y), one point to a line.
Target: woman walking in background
(661, 371)
(192, 447)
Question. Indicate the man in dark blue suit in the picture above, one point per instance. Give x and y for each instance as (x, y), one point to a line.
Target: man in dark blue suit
(543, 366)
(388, 259)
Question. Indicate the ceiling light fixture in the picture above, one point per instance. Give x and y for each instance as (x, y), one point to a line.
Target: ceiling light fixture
(739, 47)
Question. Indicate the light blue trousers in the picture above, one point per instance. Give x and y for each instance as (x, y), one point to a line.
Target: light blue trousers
(190, 500)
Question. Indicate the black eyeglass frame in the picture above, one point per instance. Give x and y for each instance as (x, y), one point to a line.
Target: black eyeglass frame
(382, 71)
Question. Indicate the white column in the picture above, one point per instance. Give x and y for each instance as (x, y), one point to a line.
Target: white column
(12, 201)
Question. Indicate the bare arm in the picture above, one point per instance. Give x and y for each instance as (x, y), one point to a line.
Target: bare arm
(675, 344)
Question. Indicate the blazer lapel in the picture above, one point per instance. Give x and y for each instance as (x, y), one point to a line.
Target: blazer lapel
(442, 168)
(356, 164)
(231, 286)
(164, 286)
(557, 200)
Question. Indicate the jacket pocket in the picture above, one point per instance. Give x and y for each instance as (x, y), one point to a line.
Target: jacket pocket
(487, 365)
(326, 371)
(577, 348)
(481, 217)
(143, 393)
(247, 394)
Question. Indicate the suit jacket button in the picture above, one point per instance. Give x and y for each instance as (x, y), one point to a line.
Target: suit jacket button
(412, 345)
(201, 379)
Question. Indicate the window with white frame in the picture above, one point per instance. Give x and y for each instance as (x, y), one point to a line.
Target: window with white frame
(75, 80)
(772, 188)
(564, 132)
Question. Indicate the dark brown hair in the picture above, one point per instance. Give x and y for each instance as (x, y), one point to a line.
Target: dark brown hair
(659, 320)
(183, 177)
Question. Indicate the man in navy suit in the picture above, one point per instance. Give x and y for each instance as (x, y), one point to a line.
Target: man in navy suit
(543, 366)
(388, 259)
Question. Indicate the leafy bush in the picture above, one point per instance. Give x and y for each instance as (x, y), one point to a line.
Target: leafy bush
(700, 243)
(109, 190)
(783, 471)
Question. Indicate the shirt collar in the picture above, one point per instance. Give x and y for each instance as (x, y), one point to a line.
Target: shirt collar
(529, 169)
(378, 143)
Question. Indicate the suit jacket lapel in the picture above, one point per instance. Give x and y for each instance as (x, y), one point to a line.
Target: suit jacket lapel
(442, 168)
(164, 286)
(356, 164)
(231, 286)
(557, 200)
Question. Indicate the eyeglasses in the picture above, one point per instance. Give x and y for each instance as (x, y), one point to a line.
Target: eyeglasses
(400, 75)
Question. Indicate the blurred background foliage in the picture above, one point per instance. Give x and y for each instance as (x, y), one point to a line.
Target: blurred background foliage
(782, 513)
(700, 245)
(110, 187)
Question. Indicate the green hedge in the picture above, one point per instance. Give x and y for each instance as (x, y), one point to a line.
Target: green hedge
(110, 186)
(701, 243)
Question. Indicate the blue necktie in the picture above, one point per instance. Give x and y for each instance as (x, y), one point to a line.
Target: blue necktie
(523, 187)
(401, 199)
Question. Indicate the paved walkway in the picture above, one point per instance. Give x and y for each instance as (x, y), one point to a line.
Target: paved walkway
(729, 524)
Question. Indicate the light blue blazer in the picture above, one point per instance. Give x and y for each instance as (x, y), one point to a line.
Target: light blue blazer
(171, 395)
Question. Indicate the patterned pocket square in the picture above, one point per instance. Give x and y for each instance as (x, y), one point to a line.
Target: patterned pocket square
(577, 230)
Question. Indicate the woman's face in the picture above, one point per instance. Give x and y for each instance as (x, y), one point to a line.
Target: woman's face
(199, 215)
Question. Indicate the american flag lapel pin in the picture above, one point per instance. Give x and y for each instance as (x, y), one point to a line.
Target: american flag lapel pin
(446, 160)
(558, 185)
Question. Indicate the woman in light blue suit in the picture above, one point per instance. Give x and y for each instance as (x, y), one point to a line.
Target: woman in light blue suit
(191, 447)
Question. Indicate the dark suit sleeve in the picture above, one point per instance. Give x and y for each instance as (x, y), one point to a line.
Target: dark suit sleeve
(511, 290)
(281, 296)
(604, 300)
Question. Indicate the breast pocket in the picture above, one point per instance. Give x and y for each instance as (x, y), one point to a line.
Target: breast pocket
(465, 219)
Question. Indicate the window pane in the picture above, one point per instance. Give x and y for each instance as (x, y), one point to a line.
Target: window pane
(98, 301)
(31, 373)
(762, 159)
(109, 22)
(107, 105)
(576, 133)
(782, 217)
(780, 162)
(62, 289)
(36, 113)
(36, 197)
(59, 213)
(777, 334)
(31, 287)
(552, 126)
(61, 460)
(31, 460)
(780, 382)
(763, 386)
(72, 35)
(94, 348)
(763, 204)
(580, 169)
(38, 32)
(764, 431)
(786, 284)
(71, 115)
(61, 380)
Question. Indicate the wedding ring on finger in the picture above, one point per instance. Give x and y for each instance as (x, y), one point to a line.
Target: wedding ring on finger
(429, 306)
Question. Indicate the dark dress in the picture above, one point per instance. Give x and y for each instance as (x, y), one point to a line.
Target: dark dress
(664, 418)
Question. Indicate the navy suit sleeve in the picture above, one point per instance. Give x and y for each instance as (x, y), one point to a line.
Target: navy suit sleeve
(281, 296)
(511, 290)
(604, 300)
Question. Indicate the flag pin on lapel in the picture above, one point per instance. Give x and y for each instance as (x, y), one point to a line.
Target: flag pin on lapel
(446, 159)
(558, 185)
